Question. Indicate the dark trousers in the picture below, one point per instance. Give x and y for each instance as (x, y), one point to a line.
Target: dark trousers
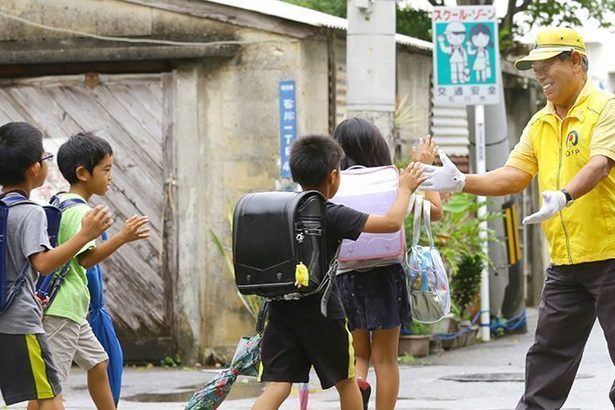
(572, 297)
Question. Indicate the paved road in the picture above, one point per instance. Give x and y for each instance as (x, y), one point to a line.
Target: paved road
(423, 386)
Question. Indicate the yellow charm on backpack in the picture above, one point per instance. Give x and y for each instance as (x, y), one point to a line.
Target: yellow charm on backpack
(302, 276)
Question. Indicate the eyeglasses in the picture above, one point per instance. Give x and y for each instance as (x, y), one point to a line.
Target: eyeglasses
(47, 156)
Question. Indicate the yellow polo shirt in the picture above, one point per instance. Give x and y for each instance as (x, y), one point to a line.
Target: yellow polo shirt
(556, 149)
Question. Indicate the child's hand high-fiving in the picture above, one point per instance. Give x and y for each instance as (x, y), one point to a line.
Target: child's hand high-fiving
(426, 152)
(411, 177)
(135, 228)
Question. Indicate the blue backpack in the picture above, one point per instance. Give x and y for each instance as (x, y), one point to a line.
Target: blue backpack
(48, 286)
(7, 201)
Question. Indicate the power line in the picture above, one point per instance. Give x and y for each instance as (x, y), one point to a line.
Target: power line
(133, 40)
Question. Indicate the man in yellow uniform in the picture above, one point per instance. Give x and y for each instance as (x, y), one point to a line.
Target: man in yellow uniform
(570, 146)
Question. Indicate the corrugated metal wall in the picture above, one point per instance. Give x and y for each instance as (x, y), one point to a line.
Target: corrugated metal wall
(449, 127)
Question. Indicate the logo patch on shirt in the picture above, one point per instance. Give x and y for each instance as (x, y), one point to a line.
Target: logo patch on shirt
(572, 140)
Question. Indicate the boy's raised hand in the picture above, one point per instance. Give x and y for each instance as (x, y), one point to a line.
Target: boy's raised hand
(96, 221)
(411, 177)
(425, 152)
(135, 228)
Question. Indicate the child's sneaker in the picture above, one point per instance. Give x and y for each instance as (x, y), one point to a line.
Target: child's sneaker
(365, 390)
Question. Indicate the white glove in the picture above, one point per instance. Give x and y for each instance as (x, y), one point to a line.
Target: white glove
(446, 178)
(552, 203)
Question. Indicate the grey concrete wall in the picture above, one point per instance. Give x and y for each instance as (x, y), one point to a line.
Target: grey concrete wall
(192, 221)
(226, 123)
(414, 91)
(105, 18)
(237, 151)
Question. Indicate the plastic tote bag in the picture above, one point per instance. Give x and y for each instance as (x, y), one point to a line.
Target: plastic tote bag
(430, 297)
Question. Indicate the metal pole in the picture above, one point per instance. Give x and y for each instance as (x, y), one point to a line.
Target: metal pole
(481, 167)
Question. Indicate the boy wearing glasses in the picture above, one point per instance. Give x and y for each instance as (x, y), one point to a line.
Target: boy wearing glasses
(85, 161)
(28, 372)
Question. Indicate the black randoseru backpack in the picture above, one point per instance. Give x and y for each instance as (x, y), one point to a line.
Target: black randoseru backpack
(273, 232)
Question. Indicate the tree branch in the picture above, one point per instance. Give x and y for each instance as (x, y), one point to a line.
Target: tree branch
(523, 6)
(507, 21)
(436, 3)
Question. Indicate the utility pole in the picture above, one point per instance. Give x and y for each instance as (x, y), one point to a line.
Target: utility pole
(371, 64)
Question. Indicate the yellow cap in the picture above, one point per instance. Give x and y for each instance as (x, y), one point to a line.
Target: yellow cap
(551, 42)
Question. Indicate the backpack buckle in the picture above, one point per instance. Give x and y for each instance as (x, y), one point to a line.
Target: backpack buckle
(313, 231)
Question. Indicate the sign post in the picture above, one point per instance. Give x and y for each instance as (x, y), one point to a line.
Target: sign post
(466, 62)
(288, 123)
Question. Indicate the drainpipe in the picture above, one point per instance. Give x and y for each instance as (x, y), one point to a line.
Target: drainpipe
(371, 64)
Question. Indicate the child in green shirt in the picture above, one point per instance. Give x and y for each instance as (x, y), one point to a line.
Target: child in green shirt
(85, 161)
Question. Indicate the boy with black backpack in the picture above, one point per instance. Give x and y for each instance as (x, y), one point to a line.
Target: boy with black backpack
(85, 161)
(28, 371)
(297, 335)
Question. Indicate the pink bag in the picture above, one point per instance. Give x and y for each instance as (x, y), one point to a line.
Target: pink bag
(372, 191)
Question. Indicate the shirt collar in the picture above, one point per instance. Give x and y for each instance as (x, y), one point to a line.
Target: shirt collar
(70, 195)
(587, 89)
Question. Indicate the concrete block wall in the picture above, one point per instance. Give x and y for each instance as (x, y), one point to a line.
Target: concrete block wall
(226, 125)
(105, 18)
(237, 151)
(414, 85)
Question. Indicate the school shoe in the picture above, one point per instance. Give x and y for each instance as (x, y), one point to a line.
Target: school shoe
(365, 390)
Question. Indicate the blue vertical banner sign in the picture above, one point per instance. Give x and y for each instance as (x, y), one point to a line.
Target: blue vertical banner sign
(288, 123)
(466, 55)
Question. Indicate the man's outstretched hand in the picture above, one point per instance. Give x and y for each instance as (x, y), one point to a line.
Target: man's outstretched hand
(552, 203)
(446, 178)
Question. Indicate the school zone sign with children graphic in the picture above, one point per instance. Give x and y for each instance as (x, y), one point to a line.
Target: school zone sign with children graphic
(465, 55)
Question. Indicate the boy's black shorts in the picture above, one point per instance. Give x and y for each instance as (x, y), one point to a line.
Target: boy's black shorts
(27, 371)
(291, 346)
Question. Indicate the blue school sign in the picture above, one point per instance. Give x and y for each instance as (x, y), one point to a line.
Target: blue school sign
(465, 55)
(288, 123)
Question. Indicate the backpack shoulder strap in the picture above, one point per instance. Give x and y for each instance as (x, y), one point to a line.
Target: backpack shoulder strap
(65, 204)
(48, 286)
(11, 199)
(54, 211)
(8, 200)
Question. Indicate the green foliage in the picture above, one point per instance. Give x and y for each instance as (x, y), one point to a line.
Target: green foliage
(169, 361)
(418, 328)
(334, 7)
(252, 303)
(555, 13)
(406, 358)
(519, 18)
(505, 35)
(457, 237)
(457, 233)
(404, 113)
(414, 23)
(465, 285)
